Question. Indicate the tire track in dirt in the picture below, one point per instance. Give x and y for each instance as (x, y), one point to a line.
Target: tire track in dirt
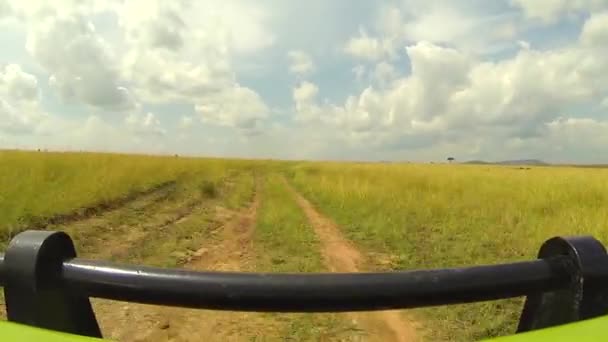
(158, 191)
(110, 233)
(230, 249)
(124, 243)
(340, 255)
(119, 319)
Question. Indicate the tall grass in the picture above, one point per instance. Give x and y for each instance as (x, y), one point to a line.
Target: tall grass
(35, 186)
(423, 216)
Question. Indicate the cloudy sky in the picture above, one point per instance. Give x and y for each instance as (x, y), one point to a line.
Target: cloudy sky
(385, 80)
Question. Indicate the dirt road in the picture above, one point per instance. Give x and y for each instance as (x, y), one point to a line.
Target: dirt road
(166, 227)
(341, 255)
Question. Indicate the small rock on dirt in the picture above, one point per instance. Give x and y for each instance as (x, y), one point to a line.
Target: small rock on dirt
(200, 252)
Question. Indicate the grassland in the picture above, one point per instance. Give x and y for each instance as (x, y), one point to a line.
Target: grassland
(421, 216)
(36, 187)
(400, 216)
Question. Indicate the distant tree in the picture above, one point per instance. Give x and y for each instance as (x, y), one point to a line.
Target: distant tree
(450, 159)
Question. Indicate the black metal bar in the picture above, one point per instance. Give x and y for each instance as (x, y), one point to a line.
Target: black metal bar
(585, 297)
(46, 286)
(329, 292)
(33, 287)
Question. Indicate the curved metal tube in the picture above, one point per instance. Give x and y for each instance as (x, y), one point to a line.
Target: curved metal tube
(310, 292)
(331, 292)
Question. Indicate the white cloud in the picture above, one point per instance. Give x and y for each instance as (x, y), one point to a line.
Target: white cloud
(183, 52)
(81, 64)
(450, 23)
(20, 112)
(160, 76)
(144, 124)
(474, 84)
(300, 62)
(384, 73)
(551, 10)
(5, 9)
(12, 121)
(595, 31)
(160, 52)
(18, 85)
(370, 48)
(304, 96)
(441, 24)
(305, 92)
(452, 97)
(37, 9)
(237, 107)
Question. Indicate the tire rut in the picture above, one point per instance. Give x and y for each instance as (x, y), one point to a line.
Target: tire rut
(228, 249)
(114, 233)
(340, 255)
(159, 191)
(126, 321)
(100, 236)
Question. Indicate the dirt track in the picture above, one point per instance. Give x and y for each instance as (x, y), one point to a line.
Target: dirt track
(340, 255)
(231, 251)
(123, 233)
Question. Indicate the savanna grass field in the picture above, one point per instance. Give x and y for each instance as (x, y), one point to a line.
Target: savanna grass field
(275, 216)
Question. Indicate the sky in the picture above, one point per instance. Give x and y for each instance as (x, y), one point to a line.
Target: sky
(406, 80)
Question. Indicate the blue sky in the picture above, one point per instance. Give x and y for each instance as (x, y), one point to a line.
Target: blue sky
(385, 80)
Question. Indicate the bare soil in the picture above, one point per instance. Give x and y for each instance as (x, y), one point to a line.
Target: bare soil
(230, 249)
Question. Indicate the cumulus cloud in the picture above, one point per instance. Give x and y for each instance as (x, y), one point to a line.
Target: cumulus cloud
(595, 33)
(304, 97)
(18, 85)
(5, 9)
(452, 97)
(370, 48)
(300, 62)
(551, 10)
(452, 23)
(19, 94)
(384, 73)
(81, 64)
(144, 124)
(237, 107)
(431, 76)
(183, 51)
(161, 77)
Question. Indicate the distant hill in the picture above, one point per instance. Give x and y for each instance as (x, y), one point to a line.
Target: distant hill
(510, 162)
(477, 162)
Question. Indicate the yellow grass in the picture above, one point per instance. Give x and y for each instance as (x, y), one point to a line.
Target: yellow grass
(35, 186)
(433, 216)
(404, 216)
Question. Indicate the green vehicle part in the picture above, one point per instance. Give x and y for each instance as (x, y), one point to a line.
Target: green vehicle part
(584, 331)
(14, 332)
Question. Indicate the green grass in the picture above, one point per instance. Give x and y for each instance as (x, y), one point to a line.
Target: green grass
(404, 216)
(285, 242)
(38, 186)
(423, 216)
